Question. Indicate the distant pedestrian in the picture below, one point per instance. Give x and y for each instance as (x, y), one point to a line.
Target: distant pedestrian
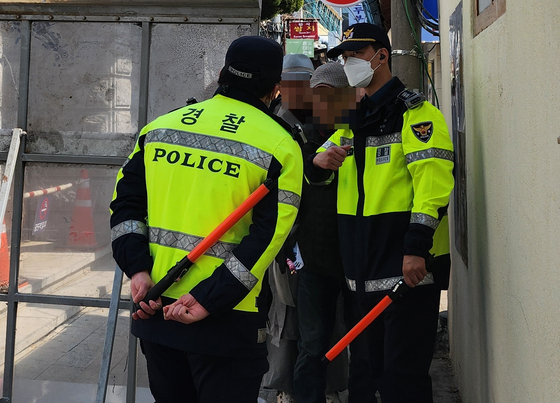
(294, 106)
(321, 282)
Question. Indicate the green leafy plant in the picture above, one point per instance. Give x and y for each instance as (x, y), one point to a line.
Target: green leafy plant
(271, 8)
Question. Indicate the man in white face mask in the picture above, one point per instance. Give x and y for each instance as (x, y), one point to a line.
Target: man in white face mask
(394, 181)
(366, 52)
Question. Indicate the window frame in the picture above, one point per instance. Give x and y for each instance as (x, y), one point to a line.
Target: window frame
(486, 17)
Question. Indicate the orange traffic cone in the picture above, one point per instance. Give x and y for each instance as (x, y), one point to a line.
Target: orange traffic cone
(4, 260)
(82, 232)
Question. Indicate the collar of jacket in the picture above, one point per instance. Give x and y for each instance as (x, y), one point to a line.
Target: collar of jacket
(371, 105)
(243, 96)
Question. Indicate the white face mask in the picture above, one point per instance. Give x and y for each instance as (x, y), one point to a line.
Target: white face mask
(359, 71)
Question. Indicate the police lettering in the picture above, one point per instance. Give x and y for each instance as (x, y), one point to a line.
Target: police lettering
(203, 162)
(231, 123)
(191, 116)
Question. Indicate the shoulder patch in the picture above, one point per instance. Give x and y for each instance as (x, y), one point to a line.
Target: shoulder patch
(411, 99)
(423, 131)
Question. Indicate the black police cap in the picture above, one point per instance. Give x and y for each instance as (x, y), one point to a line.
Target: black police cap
(358, 36)
(251, 58)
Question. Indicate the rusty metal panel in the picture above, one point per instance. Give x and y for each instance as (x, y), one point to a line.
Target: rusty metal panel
(143, 3)
(10, 50)
(185, 62)
(84, 80)
(225, 10)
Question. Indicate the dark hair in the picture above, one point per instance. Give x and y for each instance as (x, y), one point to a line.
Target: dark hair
(258, 88)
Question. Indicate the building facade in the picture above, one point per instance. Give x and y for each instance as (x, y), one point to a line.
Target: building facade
(501, 98)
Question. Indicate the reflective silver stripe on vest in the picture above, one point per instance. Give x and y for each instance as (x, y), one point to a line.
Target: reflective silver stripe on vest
(210, 143)
(429, 153)
(287, 197)
(129, 227)
(385, 284)
(240, 272)
(382, 284)
(424, 219)
(328, 144)
(186, 242)
(345, 141)
(376, 141)
(126, 162)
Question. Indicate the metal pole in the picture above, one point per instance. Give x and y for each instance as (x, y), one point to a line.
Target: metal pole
(132, 363)
(109, 337)
(144, 75)
(17, 213)
(405, 63)
(142, 121)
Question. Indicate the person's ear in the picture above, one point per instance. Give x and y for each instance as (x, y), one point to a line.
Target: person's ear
(384, 54)
(275, 92)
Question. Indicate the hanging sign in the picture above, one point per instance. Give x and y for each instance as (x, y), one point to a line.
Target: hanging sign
(341, 3)
(303, 46)
(304, 30)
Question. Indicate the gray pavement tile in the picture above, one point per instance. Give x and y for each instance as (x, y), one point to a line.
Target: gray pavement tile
(31, 368)
(28, 391)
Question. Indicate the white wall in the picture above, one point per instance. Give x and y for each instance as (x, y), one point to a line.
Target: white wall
(504, 323)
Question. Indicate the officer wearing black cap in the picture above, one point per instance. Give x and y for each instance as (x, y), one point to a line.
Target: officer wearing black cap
(358, 36)
(394, 181)
(204, 339)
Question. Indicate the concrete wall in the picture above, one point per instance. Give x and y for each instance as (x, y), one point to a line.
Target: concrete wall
(504, 327)
(86, 71)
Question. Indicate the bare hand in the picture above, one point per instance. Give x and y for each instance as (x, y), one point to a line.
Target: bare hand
(185, 310)
(332, 158)
(140, 284)
(414, 269)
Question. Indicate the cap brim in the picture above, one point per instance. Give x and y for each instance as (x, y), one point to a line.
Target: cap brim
(346, 45)
(297, 70)
(296, 76)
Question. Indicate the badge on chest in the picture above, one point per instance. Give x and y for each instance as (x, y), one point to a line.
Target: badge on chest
(383, 155)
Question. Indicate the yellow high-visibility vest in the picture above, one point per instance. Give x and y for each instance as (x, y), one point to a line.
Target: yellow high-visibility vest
(402, 172)
(201, 162)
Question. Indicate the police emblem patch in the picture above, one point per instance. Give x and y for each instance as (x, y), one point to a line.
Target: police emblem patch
(423, 131)
(348, 34)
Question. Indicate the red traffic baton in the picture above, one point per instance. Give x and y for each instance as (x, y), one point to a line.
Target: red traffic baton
(398, 290)
(181, 267)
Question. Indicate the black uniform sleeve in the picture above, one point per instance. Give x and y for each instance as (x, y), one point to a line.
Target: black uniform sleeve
(314, 174)
(128, 215)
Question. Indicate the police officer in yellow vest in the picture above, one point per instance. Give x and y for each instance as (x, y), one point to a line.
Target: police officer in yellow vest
(189, 170)
(395, 178)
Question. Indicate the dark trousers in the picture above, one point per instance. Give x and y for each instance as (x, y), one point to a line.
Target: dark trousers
(317, 304)
(399, 345)
(179, 377)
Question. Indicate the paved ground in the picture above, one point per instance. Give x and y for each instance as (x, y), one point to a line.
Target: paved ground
(59, 348)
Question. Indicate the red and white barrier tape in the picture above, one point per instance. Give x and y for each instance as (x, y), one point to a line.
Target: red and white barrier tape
(42, 192)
